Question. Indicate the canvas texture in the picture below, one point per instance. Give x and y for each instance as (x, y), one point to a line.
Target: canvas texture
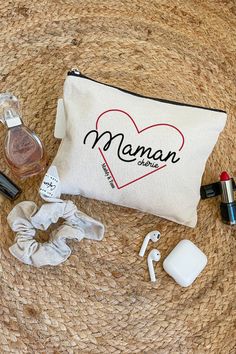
(134, 151)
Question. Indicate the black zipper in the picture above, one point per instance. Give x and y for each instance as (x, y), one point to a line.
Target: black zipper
(75, 72)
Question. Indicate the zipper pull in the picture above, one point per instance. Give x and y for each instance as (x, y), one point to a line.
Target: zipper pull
(74, 71)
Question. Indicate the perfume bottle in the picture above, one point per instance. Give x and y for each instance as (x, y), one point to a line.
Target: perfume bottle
(23, 150)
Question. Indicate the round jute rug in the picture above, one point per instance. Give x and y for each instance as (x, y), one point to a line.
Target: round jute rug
(100, 300)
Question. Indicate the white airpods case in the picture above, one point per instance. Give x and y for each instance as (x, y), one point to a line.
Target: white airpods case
(185, 262)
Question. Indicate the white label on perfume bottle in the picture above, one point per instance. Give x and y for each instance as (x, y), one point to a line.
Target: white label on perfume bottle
(49, 186)
(60, 124)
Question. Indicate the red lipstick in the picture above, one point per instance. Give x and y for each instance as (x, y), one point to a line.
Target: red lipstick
(224, 176)
(228, 204)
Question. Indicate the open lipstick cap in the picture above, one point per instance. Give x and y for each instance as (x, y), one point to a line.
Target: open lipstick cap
(213, 190)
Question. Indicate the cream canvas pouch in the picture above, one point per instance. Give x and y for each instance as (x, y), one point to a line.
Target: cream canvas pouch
(140, 152)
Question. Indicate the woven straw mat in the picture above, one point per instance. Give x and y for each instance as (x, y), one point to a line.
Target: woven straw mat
(100, 300)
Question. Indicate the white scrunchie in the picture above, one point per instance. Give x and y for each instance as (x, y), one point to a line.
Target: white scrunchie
(25, 218)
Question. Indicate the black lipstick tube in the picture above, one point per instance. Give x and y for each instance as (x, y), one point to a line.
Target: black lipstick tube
(8, 188)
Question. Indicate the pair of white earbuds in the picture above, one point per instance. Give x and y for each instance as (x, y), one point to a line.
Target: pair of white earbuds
(154, 255)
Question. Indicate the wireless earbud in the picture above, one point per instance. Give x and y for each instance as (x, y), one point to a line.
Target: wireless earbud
(154, 255)
(154, 236)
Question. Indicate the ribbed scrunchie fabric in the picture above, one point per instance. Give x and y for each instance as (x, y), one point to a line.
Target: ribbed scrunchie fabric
(25, 218)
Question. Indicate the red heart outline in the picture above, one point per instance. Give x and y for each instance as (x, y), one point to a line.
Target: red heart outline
(139, 132)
